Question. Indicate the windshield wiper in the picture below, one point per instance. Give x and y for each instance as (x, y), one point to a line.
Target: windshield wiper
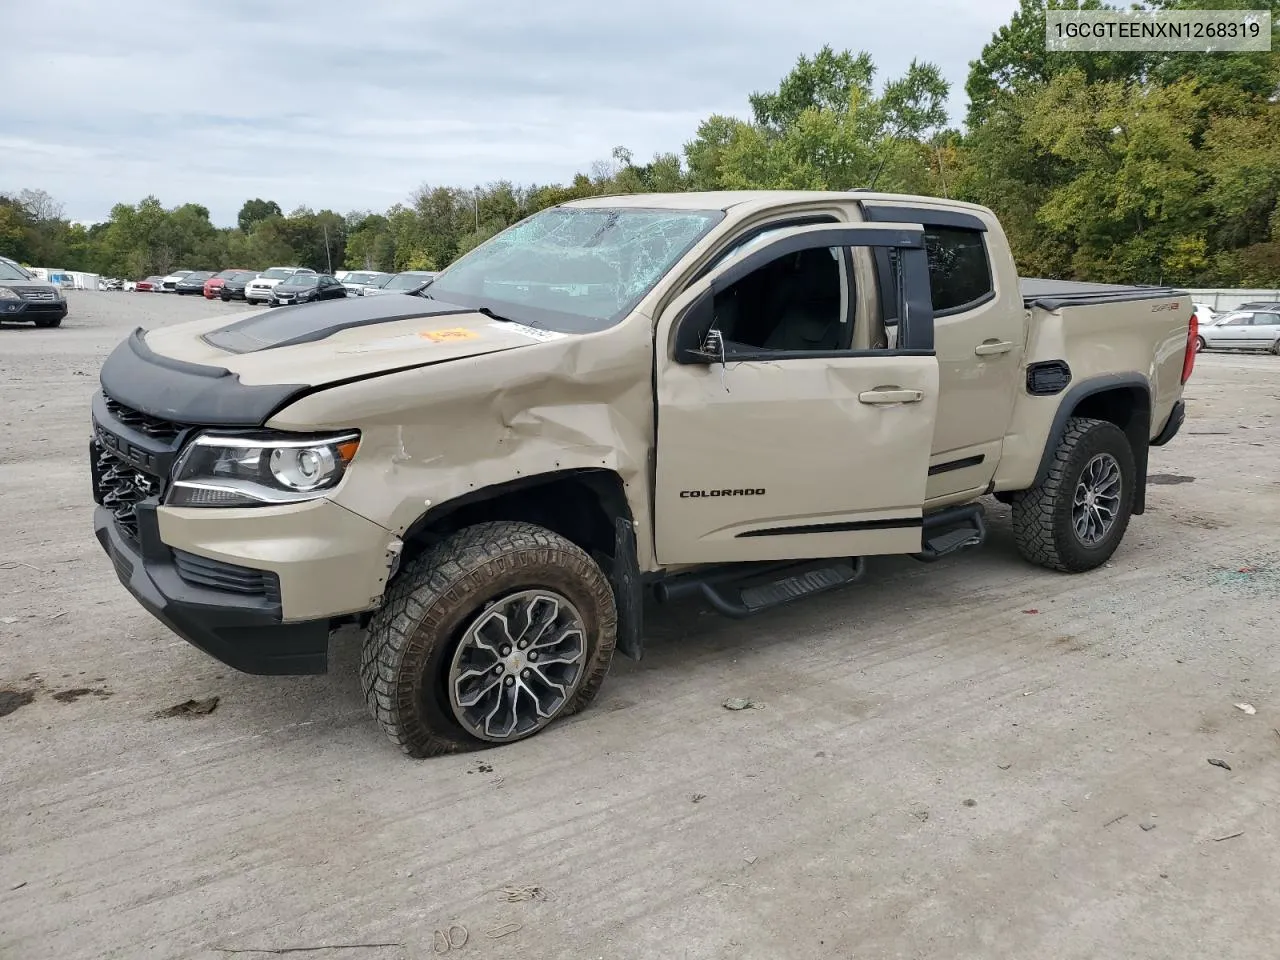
(495, 316)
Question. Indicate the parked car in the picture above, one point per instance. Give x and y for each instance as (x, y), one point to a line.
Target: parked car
(259, 289)
(192, 283)
(233, 288)
(356, 280)
(632, 398)
(376, 284)
(306, 288)
(1204, 314)
(26, 298)
(408, 281)
(1271, 306)
(1243, 330)
(214, 284)
(149, 285)
(167, 284)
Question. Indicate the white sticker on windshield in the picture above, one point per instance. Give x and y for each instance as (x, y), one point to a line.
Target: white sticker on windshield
(533, 333)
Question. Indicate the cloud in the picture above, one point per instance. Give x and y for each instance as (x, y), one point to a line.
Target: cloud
(352, 106)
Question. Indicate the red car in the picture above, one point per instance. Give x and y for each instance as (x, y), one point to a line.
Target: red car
(149, 285)
(213, 286)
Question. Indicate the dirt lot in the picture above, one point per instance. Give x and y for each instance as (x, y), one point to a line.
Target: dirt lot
(977, 759)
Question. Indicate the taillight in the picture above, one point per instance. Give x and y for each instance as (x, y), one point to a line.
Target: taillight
(1189, 358)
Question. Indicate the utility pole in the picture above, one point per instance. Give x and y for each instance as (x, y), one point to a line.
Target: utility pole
(475, 196)
(327, 258)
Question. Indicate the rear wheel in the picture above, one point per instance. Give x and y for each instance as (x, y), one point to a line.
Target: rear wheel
(1275, 348)
(1076, 517)
(1199, 344)
(487, 638)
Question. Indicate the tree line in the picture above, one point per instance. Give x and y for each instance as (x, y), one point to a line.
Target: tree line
(1113, 167)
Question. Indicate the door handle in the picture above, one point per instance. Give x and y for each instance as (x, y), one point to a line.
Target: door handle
(891, 396)
(989, 347)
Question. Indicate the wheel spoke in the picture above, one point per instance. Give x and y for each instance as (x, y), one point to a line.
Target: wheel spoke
(471, 699)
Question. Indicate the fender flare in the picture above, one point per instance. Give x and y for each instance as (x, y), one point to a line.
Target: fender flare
(1139, 434)
(622, 566)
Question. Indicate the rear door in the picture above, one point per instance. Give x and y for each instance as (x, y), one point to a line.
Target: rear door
(779, 440)
(979, 328)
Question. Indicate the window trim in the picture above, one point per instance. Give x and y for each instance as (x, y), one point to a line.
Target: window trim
(945, 219)
(738, 239)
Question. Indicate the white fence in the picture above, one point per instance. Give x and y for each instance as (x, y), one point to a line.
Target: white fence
(1222, 300)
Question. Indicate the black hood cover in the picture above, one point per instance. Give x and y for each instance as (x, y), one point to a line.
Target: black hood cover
(286, 326)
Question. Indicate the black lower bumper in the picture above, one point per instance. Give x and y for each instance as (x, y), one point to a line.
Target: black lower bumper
(244, 632)
(33, 309)
(1171, 427)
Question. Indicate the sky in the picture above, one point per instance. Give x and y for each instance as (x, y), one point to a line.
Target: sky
(353, 105)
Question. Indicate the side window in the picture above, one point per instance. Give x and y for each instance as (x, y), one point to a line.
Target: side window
(959, 270)
(1266, 319)
(797, 302)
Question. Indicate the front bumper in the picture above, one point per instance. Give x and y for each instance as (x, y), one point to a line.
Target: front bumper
(33, 309)
(259, 587)
(246, 633)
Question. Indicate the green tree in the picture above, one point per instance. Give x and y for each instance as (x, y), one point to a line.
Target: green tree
(255, 211)
(825, 128)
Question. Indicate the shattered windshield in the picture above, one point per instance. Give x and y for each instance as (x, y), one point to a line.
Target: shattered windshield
(575, 269)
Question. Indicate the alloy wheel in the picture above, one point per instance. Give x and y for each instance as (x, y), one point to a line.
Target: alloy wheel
(517, 665)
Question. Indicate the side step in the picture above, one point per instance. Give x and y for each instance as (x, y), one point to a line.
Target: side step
(951, 530)
(742, 593)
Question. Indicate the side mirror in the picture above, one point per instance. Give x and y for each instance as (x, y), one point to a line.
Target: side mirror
(697, 340)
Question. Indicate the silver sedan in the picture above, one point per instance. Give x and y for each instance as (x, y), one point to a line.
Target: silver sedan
(1243, 330)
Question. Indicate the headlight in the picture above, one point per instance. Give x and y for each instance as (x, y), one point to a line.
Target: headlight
(220, 470)
(7, 294)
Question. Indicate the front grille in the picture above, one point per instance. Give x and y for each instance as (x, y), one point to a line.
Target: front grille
(203, 572)
(36, 293)
(120, 487)
(165, 430)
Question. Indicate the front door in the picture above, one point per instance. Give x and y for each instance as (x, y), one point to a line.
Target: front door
(778, 440)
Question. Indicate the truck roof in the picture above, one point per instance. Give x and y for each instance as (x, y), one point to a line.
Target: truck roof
(724, 199)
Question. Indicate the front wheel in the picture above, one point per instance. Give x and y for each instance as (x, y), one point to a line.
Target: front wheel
(487, 638)
(1076, 517)
(1199, 344)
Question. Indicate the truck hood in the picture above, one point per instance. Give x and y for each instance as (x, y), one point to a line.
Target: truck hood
(205, 371)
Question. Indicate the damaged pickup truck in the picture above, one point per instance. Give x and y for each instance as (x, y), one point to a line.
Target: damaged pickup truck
(739, 396)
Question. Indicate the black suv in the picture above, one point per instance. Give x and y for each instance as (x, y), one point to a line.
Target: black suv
(25, 298)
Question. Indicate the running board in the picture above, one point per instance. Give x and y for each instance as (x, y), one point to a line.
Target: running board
(952, 530)
(743, 593)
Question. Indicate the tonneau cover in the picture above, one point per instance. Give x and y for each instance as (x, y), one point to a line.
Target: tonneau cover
(1056, 294)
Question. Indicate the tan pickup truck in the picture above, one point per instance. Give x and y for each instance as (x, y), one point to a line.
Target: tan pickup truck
(736, 395)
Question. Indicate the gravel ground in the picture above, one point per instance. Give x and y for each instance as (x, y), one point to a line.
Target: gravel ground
(974, 759)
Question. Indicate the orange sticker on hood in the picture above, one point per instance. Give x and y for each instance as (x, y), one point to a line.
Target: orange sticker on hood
(457, 333)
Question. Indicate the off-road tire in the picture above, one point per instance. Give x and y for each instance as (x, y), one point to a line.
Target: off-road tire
(1042, 522)
(49, 322)
(411, 640)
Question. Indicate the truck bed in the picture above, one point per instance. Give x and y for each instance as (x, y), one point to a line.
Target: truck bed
(1056, 294)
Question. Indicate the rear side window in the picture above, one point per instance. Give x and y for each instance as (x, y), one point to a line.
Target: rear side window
(959, 270)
